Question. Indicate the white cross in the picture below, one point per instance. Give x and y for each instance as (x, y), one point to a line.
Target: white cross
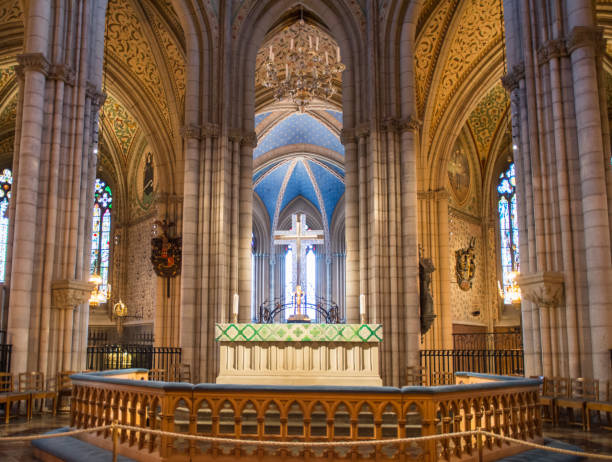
(301, 238)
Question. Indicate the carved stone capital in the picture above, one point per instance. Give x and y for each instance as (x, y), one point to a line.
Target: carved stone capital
(545, 288)
(511, 80)
(584, 36)
(552, 49)
(191, 131)
(62, 72)
(249, 139)
(347, 135)
(362, 131)
(97, 97)
(69, 293)
(408, 123)
(33, 62)
(209, 130)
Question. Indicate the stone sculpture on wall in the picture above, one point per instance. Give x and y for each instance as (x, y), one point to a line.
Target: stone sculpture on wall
(426, 267)
(465, 266)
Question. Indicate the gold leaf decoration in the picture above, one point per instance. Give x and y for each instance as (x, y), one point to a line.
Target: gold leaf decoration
(121, 122)
(7, 74)
(8, 115)
(485, 118)
(174, 55)
(7, 145)
(428, 47)
(128, 43)
(478, 31)
(10, 11)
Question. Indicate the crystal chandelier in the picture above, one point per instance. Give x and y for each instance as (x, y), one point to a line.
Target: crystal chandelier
(99, 294)
(301, 64)
(512, 291)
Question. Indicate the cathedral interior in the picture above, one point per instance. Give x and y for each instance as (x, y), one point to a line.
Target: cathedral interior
(461, 133)
(428, 179)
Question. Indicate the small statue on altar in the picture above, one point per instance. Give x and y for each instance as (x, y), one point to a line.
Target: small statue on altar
(297, 315)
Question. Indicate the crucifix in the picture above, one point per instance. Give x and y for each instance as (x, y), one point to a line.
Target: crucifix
(299, 237)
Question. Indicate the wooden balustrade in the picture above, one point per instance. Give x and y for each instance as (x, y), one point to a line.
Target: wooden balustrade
(506, 406)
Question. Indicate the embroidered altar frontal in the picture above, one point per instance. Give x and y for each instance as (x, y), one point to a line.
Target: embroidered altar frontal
(299, 354)
(298, 332)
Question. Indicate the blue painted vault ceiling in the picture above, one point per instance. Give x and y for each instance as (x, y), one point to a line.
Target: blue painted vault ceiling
(314, 177)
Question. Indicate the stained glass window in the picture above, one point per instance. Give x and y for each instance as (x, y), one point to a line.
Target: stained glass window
(6, 181)
(311, 274)
(289, 275)
(100, 233)
(508, 226)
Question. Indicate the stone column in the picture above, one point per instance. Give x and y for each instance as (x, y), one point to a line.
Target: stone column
(545, 291)
(66, 296)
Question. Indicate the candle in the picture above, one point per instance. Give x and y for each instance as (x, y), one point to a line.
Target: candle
(338, 54)
(326, 58)
(235, 308)
(362, 307)
(292, 44)
(271, 54)
(317, 44)
(309, 41)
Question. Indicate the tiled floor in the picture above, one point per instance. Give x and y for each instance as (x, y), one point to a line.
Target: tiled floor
(597, 441)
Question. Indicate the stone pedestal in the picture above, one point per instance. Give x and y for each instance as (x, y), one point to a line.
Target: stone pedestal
(545, 290)
(299, 354)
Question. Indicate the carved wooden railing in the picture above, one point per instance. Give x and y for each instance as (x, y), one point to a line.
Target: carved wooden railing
(502, 405)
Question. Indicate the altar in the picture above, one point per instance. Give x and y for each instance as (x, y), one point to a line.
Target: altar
(299, 354)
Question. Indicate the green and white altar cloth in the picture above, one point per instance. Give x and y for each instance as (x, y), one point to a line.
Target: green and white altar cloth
(298, 332)
(299, 354)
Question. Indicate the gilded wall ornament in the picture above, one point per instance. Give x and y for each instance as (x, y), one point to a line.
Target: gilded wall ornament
(166, 251)
(465, 265)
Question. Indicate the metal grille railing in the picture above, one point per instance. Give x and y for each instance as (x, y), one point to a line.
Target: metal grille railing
(100, 358)
(5, 357)
(501, 362)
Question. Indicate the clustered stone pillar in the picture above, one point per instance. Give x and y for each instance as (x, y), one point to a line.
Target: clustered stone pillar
(54, 172)
(545, 291)
(381, 238)
(563, 177)
(217, 237)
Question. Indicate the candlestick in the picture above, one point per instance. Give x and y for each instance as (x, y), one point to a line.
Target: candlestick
(235, 308)
(362, 308)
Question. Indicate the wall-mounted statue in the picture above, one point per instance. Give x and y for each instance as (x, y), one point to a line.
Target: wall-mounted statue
(426, 267)
(465, 265)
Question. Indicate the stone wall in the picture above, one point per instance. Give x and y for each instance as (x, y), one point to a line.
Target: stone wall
(463, 303)
(141, 285)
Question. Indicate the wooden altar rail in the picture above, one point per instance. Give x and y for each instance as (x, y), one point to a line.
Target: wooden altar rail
(502, 405)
